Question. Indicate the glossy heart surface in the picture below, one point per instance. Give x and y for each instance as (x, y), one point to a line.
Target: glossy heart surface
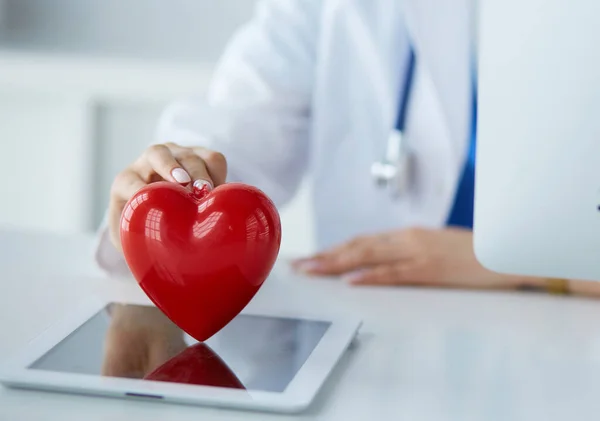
(198, 365)
(200, 255)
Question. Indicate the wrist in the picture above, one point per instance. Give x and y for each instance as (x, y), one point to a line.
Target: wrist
(525, 283)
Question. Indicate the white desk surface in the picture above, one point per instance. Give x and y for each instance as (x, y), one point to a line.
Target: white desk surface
(425, 355)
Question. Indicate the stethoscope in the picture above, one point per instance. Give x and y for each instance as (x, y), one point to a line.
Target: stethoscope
(392, 172)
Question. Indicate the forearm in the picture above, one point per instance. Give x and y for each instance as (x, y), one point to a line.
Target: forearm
(584, 288)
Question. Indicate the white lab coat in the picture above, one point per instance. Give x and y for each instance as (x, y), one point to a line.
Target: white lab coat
(311, 87)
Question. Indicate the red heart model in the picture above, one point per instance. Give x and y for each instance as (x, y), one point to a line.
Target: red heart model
(198, 365)
(200, 255)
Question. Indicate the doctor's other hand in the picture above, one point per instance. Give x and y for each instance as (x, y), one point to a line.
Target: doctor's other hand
(163, 162)
(139, 339)
(416, 257)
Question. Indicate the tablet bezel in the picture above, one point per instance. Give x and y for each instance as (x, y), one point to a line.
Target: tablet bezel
(297, 396)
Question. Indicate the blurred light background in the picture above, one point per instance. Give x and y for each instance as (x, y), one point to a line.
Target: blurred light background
(82, 83)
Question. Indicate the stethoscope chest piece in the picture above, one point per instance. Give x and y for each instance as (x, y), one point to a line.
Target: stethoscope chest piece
(393, 172)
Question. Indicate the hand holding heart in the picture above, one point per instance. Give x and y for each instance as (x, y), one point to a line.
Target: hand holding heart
(199, 253)
(168, 162)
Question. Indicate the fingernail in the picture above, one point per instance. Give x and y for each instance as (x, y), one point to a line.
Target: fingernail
(353, 277)
(307, 266)
(181, 176)
(296, 262)
(200, 184)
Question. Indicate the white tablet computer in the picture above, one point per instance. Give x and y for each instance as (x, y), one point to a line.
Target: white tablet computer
(269, 362)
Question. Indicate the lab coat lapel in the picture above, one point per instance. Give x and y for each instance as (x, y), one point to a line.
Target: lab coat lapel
(441, 34)
(379, 33)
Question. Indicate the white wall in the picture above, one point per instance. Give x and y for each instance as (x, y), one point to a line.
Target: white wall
(81, 86)
(161, 29)
(42, 163)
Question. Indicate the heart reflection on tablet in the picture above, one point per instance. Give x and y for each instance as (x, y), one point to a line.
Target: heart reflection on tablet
(197, 365)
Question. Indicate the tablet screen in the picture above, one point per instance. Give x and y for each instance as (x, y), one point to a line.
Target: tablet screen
(132, 341)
